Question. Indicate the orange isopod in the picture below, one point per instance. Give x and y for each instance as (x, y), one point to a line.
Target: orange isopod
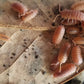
(67, 70)
(20, 8)
(58, 35)
(72, 14)
(76, 55)
(64, 53)
(72, 30)
(3, 37)
(78, 40)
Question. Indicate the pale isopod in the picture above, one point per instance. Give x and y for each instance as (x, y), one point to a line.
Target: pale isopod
(29, 15)
(67, 70)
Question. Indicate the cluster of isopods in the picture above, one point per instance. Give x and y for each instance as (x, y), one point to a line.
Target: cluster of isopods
(72, 25)
(23, 12)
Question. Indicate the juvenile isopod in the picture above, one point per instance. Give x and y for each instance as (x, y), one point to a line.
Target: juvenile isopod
(3, 37)
(76, 56)
(58, 35)
(64, 53)
(78, 40)
(19, 8)
(78, 6)
(69, 22)
(29, 15)
(72, 30)
(72, 14)
(54, 64)
(67, 70)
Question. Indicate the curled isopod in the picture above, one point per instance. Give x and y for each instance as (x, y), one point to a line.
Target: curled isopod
(67, 70)
(54, 64)
(78, 40)
(78, 6)
(58, 35)
(76, 55)
(3, 37)
(29, 15)
(64, 53)
(69, 22)
(20, 8)
(72, 30)
(72, 14)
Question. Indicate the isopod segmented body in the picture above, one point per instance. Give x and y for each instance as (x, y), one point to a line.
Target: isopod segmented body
(58, 35)
(67, 69)
(72, 14)
(29, 15)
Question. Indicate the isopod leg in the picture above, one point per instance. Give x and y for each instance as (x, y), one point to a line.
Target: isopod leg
(60, 67)
(77, 69)
(56, 18)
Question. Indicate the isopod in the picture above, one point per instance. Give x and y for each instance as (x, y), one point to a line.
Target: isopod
(78, 40)
(70, 22)
(54, 64)
(72, 30)
(20, 8)
(78, 6)
(76, 56)
(29, 15)
(72, 14)
(58, 35)
(64, 53)
(67, 70)
(3, 37)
